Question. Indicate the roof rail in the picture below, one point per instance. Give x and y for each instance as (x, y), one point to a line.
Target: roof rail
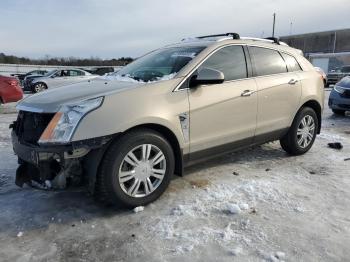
(273, 40)
(233, 35)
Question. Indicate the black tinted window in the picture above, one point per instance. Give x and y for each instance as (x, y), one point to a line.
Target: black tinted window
(345, 69)
(229, 60)
(267, 61)
(291, 62)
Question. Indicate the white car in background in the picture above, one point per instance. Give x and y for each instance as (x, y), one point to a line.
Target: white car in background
(58, 78)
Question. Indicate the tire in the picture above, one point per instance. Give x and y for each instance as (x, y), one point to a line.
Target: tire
(39, 87)
(292, 142)
(115, 168)
(338, 112)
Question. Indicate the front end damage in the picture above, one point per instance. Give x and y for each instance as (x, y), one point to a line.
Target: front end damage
(53, 166)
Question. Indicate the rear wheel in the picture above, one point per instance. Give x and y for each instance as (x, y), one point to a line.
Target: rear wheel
(338, 112)
(302, 133)
(39, 87)
(136, 169)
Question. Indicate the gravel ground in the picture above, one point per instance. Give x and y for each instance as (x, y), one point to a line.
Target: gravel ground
(254, 205)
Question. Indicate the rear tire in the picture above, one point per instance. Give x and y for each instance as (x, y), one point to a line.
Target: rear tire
(302, 133)
(338, 112)
(124, 180)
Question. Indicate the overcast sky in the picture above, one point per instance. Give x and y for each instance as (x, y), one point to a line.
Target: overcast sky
(115, 28)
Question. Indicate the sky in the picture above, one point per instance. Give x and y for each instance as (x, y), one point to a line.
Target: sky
(116, 28)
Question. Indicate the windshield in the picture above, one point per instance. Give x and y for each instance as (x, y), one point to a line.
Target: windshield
(159, 65)
(50, 72)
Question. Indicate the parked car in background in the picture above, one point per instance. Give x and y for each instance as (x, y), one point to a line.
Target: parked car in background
(323, 74)
(127, 134)
(39, 72)
(339, 98)
(336, 75)
(10, 90)
(57, 78)
(100, 70)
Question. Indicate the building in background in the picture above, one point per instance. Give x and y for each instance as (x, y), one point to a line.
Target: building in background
(328, 50)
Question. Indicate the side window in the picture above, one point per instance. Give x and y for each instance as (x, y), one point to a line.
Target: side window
(74, 73)
(291, 62)
(229, 60)
(267, 61)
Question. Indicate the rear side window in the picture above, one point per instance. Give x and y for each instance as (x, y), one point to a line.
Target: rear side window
(267, 61)
(75, 73)
(292, 63)
(230, 60)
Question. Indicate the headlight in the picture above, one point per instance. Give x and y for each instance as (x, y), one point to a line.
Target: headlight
(339, 89)
(62, 126)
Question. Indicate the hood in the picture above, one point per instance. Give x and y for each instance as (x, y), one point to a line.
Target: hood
(51, 100)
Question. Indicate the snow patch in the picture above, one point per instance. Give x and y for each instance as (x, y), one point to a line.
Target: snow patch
(243, 206)
(236, 251)
(116, 77)
(138, 209)
(233, 209)
(330, 137)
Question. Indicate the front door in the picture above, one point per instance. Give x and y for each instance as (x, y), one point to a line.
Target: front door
(223, 116)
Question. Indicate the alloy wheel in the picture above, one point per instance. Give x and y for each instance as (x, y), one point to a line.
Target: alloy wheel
(306, 131)
(39, 87)
(142, 170)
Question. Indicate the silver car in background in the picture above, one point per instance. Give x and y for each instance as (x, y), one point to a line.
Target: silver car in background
(58, 78)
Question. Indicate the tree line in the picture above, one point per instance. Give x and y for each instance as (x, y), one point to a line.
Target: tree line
(65, 61)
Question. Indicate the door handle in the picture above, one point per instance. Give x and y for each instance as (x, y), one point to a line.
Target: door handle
(292, 82)
(247, 93)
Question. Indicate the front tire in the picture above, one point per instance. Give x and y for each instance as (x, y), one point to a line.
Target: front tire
(302, 133)
(136, 169)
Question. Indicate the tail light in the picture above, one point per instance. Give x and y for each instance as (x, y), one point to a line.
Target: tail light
(13, 82)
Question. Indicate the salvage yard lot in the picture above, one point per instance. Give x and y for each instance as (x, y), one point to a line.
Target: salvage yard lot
(252, 205)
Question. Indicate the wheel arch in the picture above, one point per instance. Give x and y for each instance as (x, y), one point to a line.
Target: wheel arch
(317, 108)
(171, 137)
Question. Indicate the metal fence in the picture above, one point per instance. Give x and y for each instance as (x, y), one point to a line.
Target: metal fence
(8, 69)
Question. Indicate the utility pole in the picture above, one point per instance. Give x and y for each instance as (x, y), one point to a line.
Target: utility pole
(291, 28)
(273, 25)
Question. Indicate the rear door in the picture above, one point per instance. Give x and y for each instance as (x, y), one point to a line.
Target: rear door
(279, 91)
(223, 115)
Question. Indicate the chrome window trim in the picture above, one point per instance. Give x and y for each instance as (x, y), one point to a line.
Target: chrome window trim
(177, 88)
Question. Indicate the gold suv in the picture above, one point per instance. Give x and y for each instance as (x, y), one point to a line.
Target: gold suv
(126, 134)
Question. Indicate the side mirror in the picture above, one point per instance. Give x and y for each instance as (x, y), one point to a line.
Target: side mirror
(207, 76)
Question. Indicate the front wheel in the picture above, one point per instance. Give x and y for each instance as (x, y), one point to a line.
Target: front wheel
(302, 133)
(136, 169)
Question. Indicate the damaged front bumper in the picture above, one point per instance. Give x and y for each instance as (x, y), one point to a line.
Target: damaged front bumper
(55, 166)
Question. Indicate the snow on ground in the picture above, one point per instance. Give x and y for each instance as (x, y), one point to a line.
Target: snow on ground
(253, 205)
